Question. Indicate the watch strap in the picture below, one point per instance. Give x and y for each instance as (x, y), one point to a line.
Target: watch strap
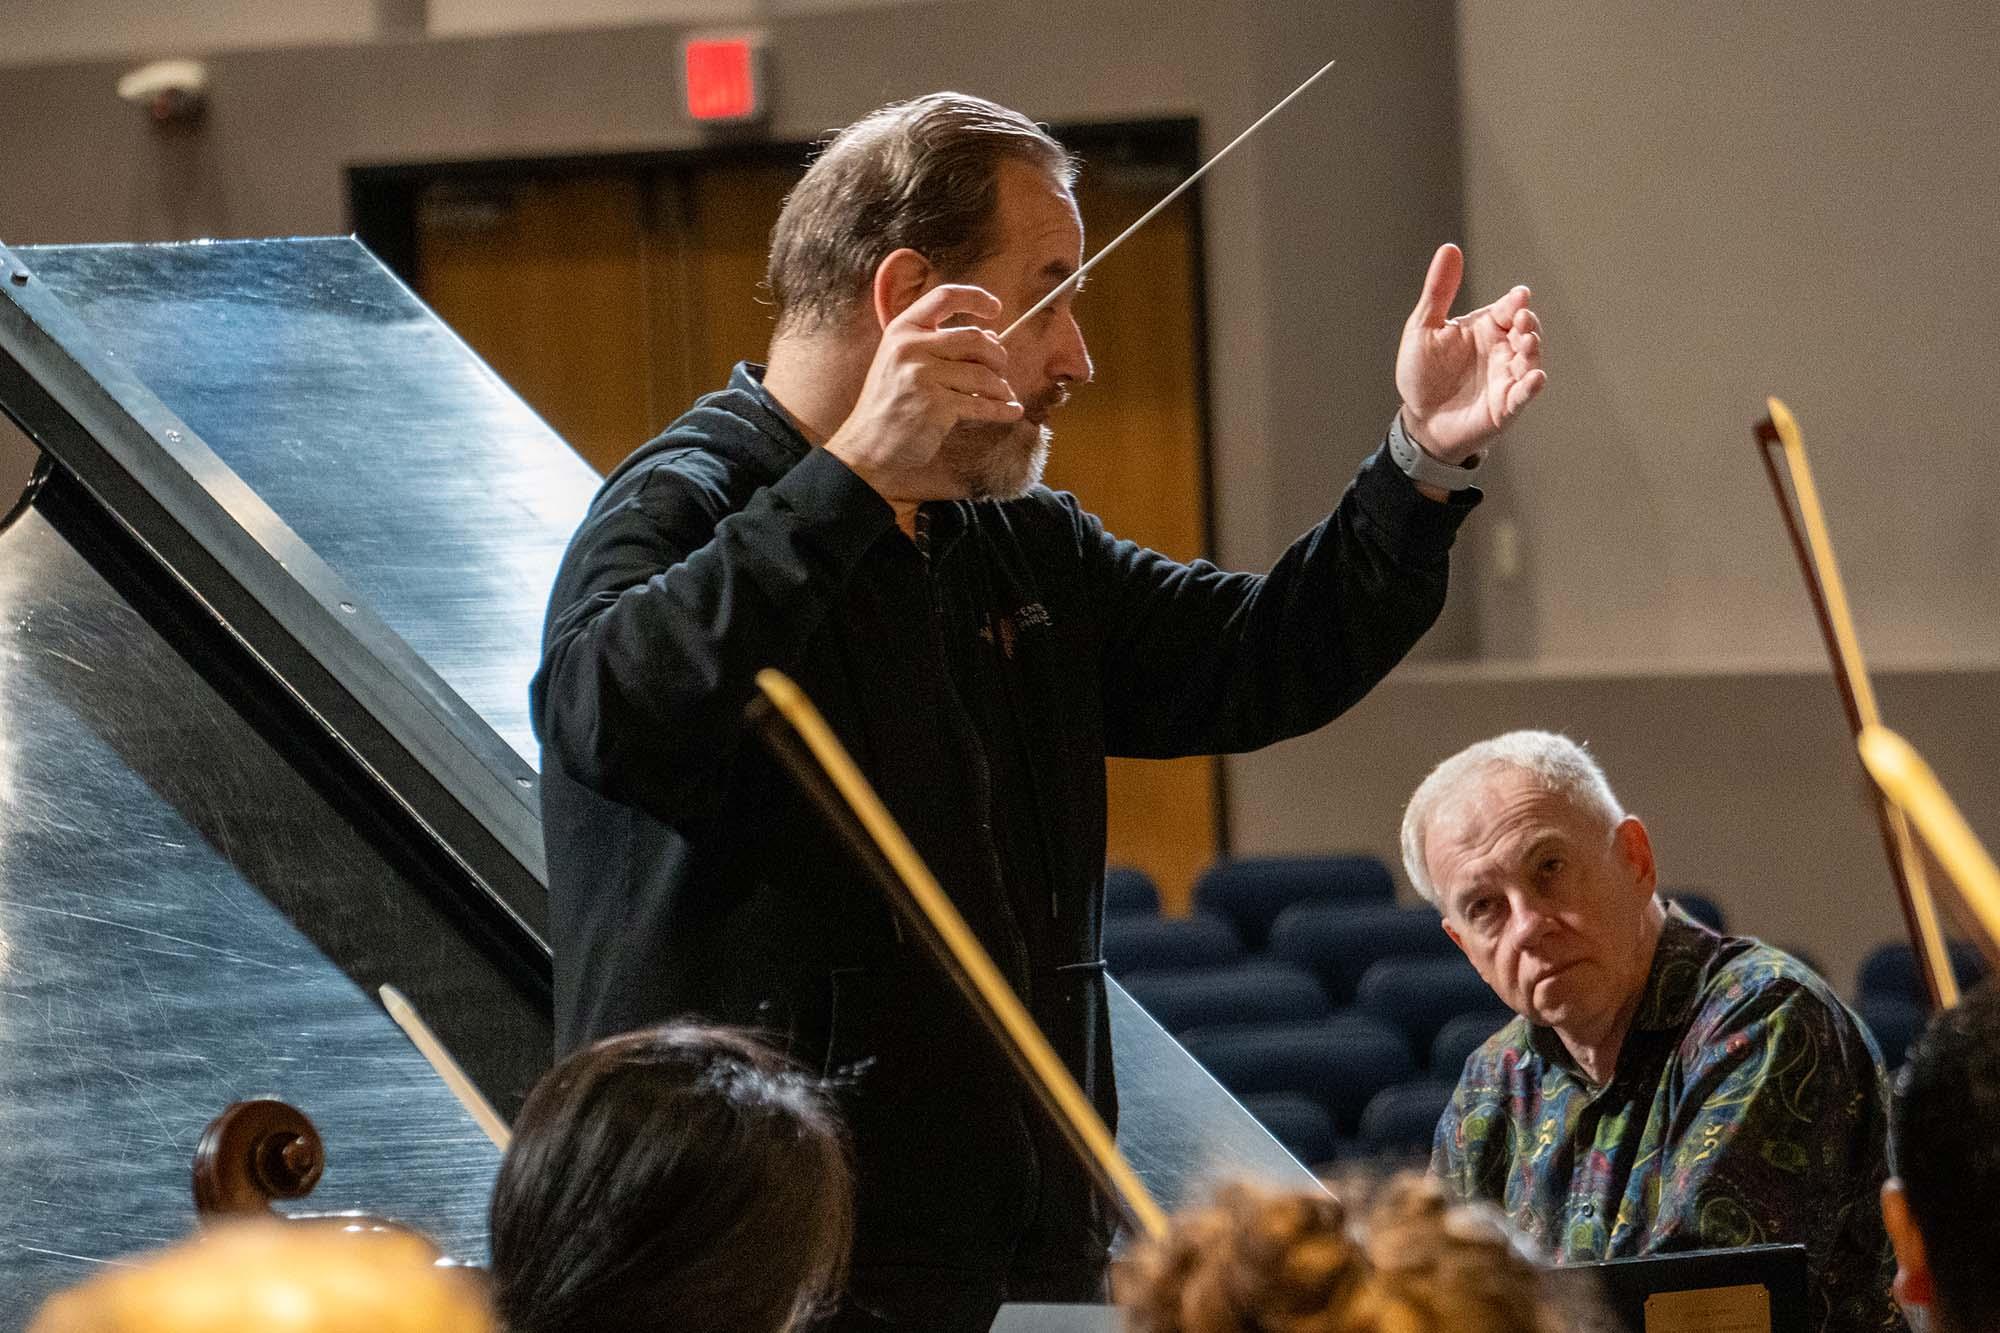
(1417, 465)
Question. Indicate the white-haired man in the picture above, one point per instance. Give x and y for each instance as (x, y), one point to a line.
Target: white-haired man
(1662, 1087)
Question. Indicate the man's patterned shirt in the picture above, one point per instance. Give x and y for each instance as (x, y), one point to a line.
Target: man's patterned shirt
(1748, 1106)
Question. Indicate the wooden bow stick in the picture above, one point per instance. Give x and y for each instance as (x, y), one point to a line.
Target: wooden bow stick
(1903, 776)
(807, 749)
(1778, 436)
(455, 1078)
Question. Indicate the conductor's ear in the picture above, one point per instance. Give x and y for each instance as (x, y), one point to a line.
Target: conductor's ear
(901, 277)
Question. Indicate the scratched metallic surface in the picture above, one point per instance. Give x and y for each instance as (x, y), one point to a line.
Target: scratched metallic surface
(153, 855)
(1181, 1129)
(426, 484)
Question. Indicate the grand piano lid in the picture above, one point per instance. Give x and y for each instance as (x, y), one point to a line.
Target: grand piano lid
(358, 421)
(232, 800)
(196, 390)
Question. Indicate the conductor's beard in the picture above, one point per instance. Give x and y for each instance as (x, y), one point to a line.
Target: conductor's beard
(995, 460)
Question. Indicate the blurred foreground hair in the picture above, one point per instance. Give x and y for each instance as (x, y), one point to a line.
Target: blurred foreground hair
(1408, 1261)
(298, 1277)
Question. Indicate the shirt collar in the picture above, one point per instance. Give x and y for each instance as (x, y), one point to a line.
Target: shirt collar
(785, 444)
(1680, 961)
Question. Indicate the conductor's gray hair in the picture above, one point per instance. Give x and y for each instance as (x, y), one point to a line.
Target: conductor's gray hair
(1557, 763)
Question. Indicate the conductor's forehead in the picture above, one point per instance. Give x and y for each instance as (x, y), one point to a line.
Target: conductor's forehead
(1038, 240)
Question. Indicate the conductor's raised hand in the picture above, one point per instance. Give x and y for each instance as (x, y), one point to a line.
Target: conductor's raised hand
(1462, 380)
(929, 373)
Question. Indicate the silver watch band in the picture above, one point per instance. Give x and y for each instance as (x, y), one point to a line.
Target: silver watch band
(1420, 466)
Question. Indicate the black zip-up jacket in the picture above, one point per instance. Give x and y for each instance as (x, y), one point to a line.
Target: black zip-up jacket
(980, 676)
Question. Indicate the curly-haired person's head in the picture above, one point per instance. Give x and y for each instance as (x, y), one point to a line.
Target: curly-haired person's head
(1409, 1261)
(681, 1177)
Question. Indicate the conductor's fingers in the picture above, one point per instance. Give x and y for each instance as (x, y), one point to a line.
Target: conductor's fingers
(941, 303)
(967, 343)
(1440, 287)
(972, 379)
(1526, 389)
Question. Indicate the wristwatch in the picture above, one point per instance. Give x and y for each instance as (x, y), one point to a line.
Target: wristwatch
(1420, 466)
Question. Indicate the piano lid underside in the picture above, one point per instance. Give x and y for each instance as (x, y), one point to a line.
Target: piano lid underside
(156, 857)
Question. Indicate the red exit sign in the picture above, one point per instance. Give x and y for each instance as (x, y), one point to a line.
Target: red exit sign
(724, 77)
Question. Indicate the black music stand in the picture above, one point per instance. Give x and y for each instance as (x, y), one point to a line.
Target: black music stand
(1701, 1289)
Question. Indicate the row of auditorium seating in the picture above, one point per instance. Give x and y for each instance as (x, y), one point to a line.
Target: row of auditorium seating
(1891, 999)
(1339, 1018)
(1342, 1019)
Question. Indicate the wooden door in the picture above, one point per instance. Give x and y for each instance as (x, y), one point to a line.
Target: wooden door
(612, 300)
(711, 231)
(1129, 445)
(541, 276)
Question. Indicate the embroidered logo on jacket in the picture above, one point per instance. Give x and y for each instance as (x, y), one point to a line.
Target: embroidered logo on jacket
(1007, 630)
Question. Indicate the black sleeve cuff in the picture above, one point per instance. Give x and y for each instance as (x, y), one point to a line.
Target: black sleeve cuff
(1393, 503)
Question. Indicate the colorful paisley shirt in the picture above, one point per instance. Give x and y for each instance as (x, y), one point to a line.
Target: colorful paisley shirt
(1748, 1106)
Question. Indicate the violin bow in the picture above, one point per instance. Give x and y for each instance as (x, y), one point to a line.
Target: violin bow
(1779, 438)
(1902, 775)
(806, 748)
(454, 1077)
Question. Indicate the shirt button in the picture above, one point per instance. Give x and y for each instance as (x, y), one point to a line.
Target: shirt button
(1590, 1210)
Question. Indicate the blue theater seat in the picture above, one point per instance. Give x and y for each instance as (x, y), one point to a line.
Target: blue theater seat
(1298, 1122)
(1129, 889)
(1699, 906)
(1250, 891)
(1420, 995)
(1891, 971)
(1340, 1061)
(1337, 942)
(1895, 1023)
(1253, 991)
(1459, 1038)
(1138, 943)
(1400, 1122)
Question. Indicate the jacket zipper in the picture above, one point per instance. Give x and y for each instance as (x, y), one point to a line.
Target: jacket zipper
(1011, 684)
(969, 736)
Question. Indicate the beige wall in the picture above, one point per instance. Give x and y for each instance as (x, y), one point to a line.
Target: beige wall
(1719, 203)
(39, 31)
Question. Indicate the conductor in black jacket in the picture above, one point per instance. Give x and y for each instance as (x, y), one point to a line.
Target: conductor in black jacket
(866, 515)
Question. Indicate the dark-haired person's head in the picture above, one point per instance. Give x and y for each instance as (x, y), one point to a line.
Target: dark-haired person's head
(680, 1177)
(1944, 1144)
